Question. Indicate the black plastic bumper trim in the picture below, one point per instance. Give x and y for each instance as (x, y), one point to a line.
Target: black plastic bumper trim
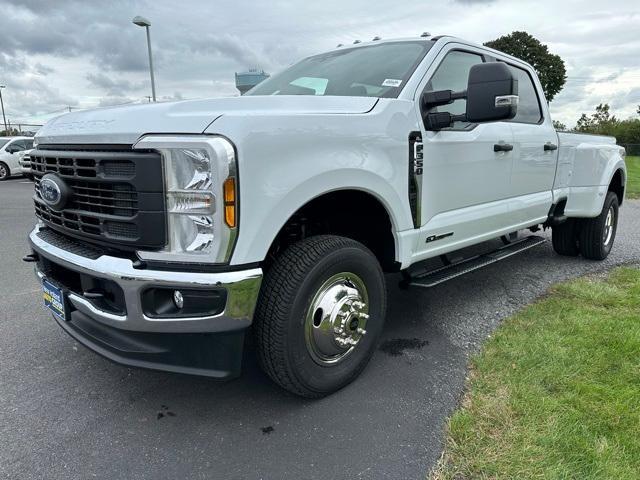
(218, 355)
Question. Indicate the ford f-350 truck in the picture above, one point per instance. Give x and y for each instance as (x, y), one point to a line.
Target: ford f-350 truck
(168, 232)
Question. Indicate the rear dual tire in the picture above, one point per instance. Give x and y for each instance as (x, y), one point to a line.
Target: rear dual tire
(591, 237)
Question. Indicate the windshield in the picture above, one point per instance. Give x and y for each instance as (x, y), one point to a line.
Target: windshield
(3, 142)
(371, 71)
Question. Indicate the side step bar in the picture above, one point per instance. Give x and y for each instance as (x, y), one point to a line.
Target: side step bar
(448, 272)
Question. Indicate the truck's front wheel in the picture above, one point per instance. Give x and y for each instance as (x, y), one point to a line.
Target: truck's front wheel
(320, 313)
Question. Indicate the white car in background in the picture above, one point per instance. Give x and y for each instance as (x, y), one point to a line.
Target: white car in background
(10, 147)
(25, 163)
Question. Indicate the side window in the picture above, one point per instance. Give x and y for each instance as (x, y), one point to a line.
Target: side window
(16, 146)
(29, 144)
(453, 74)
(528, 104)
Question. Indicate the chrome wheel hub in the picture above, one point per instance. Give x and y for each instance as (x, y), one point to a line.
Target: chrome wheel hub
(608, 226)
(3, 171)
(336, 319)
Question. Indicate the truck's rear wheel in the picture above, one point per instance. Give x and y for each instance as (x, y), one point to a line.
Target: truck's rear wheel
(564, 238)
(597, 234)
(319, 315)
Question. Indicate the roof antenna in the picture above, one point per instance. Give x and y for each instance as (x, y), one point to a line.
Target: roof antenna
(425, 34)
(357, 41)
(376, 38)
(339, 45)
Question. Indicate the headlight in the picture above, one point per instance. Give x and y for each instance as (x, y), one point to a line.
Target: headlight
(200, 183)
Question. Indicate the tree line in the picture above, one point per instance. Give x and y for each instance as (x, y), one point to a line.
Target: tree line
(603, 122)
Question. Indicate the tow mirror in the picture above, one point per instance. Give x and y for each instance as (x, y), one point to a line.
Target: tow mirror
(492, 95)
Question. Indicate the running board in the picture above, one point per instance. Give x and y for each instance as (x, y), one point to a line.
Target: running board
(448, 272)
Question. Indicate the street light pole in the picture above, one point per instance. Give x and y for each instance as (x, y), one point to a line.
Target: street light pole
(143, 22)
(4, 119)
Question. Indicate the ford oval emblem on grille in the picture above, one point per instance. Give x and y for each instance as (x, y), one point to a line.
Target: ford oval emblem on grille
(53, 191)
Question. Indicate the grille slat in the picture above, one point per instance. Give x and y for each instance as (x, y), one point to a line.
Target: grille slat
(103, 198)
(109, 202)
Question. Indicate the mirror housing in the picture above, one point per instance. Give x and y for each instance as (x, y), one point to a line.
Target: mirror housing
(492, 95)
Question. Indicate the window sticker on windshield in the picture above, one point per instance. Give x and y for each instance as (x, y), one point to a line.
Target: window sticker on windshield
(391, 82)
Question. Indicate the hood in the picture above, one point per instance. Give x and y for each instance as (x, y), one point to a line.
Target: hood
(124, 125)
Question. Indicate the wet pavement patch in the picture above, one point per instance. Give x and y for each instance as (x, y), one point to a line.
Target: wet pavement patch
(164, 412)
(397, 346)
(267, 430)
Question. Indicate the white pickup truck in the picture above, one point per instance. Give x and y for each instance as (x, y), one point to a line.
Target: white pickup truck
(166, 232)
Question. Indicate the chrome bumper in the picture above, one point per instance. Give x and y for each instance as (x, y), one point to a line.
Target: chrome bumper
(242, 291)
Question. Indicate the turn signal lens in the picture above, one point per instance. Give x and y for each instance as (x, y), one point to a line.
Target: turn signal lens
(229, 192)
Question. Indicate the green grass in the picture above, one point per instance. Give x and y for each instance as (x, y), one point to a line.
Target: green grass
(555, 393)
(633, 180)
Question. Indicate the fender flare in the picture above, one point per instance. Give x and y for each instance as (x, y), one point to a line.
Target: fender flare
(256, 247)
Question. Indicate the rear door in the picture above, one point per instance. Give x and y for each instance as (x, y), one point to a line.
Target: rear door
(535, 151)
(465, 182)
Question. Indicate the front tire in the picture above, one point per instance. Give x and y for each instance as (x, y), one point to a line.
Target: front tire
(597, 234)
(320, 314)
(4, 171)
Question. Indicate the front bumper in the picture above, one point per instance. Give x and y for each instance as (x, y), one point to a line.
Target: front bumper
(209, 345)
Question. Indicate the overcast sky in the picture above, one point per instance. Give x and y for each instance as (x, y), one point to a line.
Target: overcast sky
(85, 53)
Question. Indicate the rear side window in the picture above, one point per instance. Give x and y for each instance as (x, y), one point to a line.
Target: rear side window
(529, 110)
(453, 74)
(18, 144)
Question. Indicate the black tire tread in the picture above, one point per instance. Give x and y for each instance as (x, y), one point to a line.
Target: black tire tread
(276, 297)
(564, 238)
(591, 231)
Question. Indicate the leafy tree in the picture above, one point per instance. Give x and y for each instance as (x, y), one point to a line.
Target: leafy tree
(549, 67)
(603, 116)
(584, 124)
(559, 125)
(11, 132)
(600, 122)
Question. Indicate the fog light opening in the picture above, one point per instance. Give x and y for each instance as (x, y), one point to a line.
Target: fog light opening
(178, 299)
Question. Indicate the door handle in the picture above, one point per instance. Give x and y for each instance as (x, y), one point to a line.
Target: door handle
(502, 147)
(549, 147)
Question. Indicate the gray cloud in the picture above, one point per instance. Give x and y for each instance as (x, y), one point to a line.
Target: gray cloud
(90, 54)
(111, 86)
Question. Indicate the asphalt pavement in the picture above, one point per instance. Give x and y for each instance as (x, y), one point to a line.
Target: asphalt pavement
(67, 413)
